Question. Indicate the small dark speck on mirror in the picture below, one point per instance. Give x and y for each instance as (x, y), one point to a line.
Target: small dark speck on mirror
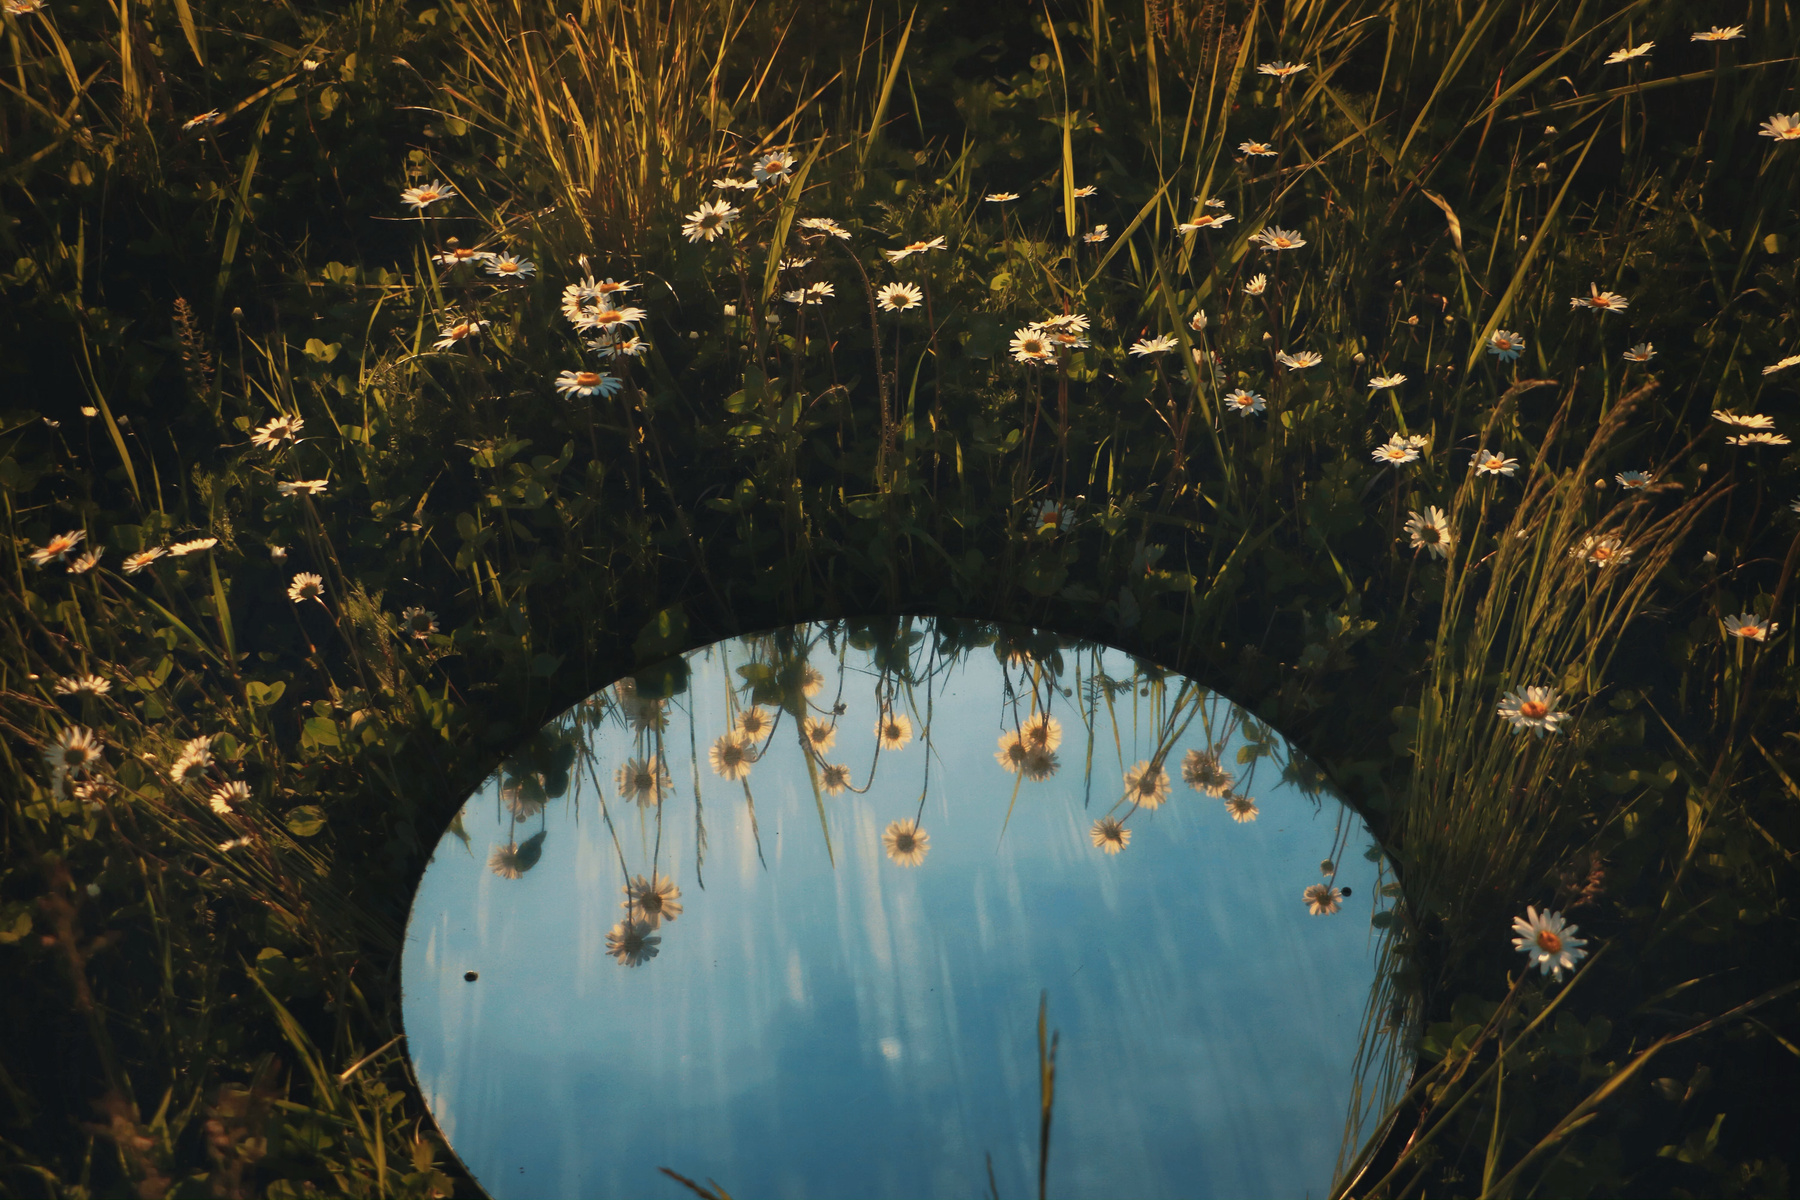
(1346, 891)
(470, 976)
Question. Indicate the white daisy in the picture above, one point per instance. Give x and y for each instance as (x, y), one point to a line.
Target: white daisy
(1386, 381)
(1782, 127)
(1759, 439)
(510, 266)
(1488, 462)
(1257, 149)
(1255, 285)
(893, 731)
(1397, 452)
(306, 586)
(1242, 808)
(1244, 402)
(194, 760)
(1504, 343)
(825, 225)
(1099, 234)
(192, 547)
(1161, 344)
(1300, 361)
(1273, 237)
(424, 196)
(1031, 345)
(1629, 53)
(1746, 421)
(1790, 361)
(1532, 708)
(1602, 551)
(83, 685)
(643, 781)
(906, 843)
(1204, 221)
(456, 256)
(1633, 480)
(1280, 70)
(1751, 626)
(588, 383)
(1083, 192)
(653, 900)
(709, 220)
(1000, 197)
(143, 558)
(1430, 531)
(936, 243)
(1718, 34)
(281, 429)
(632, 943)
(834, 778)
(1597, 299)
(1548, 942)
(1109, 835)
(1147, 785)
(457, 332)
(898, 297)
(418, 623)
(1322, 899)
(227, 798)
(774, 165)
(1643, 352)
(58, 548)
(1201, 770)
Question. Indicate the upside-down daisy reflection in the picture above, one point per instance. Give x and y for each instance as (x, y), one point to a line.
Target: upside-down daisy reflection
(1110, 835)
(632, 943)
(906, 843)
(1201, 771)
(653, 900)
(1147, 785)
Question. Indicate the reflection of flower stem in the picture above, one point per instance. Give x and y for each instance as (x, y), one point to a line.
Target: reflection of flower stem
(754, 832)
(1046, 1088)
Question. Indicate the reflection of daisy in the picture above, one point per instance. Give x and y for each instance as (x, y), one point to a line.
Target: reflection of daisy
(511, 861)
(1041, 731)
(1242, 808)
(820, 735)
(1548, 942)
(753, 722)
(643, 780)
(1011, 754)
(653, 900)
(632, 942)
(731, 756)
(834, 778)
(906, 843)
(1201, 771)
(1532, 708)
(521, 803)
(1321, 899)
(1147, 785)
(894, 731)
(1039, 764)
(1109, 835)
(811, 682)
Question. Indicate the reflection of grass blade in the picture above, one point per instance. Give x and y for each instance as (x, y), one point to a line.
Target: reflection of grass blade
(713, 1193)
(750, 802)
(1046, 1089)
(812, 777)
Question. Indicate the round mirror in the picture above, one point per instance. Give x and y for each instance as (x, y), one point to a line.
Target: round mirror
(869, 908)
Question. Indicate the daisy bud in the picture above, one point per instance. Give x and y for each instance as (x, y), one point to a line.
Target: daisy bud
(1359, 359)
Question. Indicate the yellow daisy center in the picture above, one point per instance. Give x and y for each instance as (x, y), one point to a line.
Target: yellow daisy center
(1549, 942)
(1533, 709)
(587, 378)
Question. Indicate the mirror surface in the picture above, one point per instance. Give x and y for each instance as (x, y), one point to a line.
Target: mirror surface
(789, 928)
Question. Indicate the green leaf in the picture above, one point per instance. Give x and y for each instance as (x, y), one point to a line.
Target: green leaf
(665, 633)
(264, 693)
(306, 820)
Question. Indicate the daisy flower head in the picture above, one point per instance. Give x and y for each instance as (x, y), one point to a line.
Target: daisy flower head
(1643, 352)
(20, 8)
(1548, 942)
(1201, 770)
(1322, 899)
(417, 622)
(194, 760)
(1084, 191)
(1783, 127)
(426, 195)
(1242, 808)
(1257, 149)
(1744, 421)
(1602, 551)
(1160, 344)
(1386, 381)
(1064, 323)
(1205, 221)
(893, 731)
(1505, 344)
(898, 297)
(510, 266)
(1197, 322)
(456, 256)
(819, 736)
(1790, 361)
(1759, 439)
(302, 487)
(227, 798)
(194, 546)
(143, 558)
(1396, 452)
(825, 225)
(1634, 480)
(609, 320)
(1109, 836)
(1099, 234)
(754, 722)
(1597, 299)
(1532, 708)
(732, 184)
(1255, 284)
(1041, 732)
(911, 248)
(633, 943)
(906, 843)
(456, 332)
(644, 781)
(86, 562)
(281, 430)
(210, 117)
(774, 165)
(1300, 361)
(708, 221)
(653, 900)
(1628, 53)
(834, 778)
(1751, 626)
(1147, 785)
(614, 346)
(1039, 764)
(1430, 531)
(1244, 402)
(588, 384)
(1011, 752)
(999, 197)
(83, 685)
(1280, 70)
(812, 293)
(1273, 237)
(1718, 33)
(73, 754)
(306, 586)
(57, 549)
(1031, 345)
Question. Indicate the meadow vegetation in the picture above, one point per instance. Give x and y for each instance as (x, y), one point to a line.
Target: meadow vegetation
(1373, 362)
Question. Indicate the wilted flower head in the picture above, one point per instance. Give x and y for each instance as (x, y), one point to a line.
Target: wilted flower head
(1255, 284)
